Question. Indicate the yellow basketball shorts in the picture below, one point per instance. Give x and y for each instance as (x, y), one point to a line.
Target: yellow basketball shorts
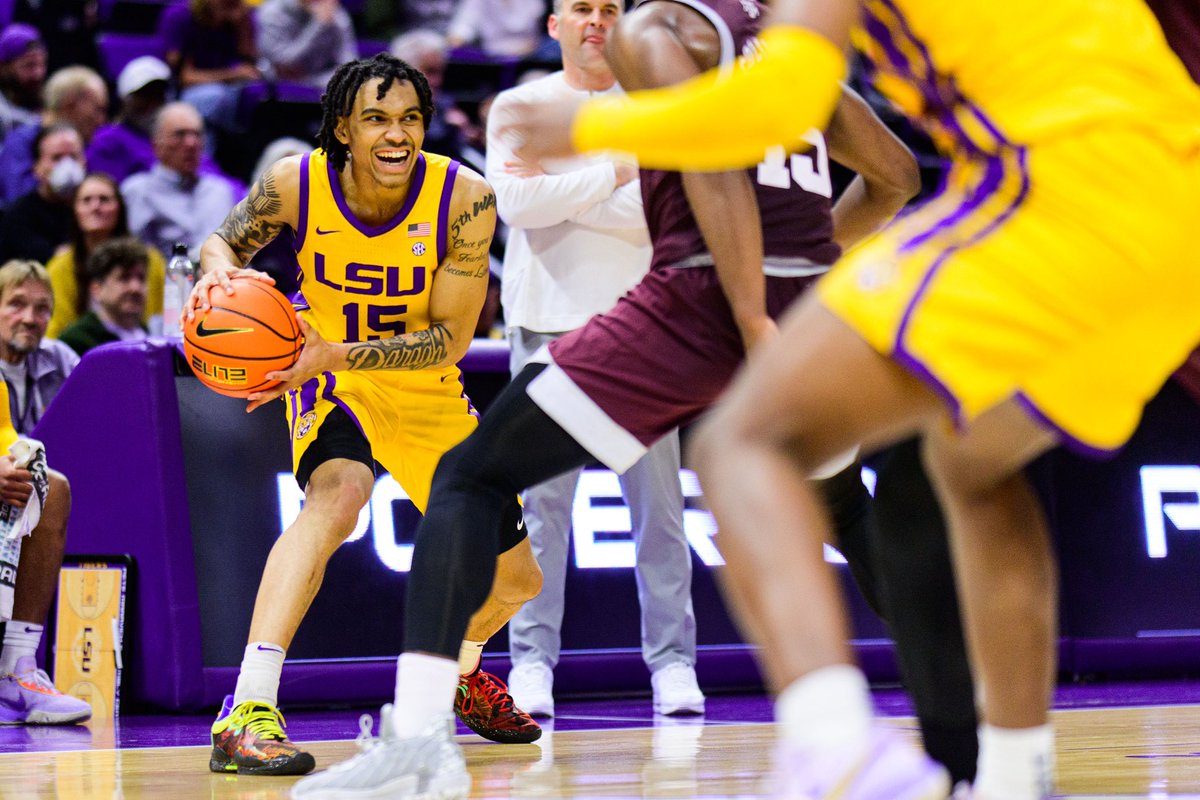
(410, 419)
(1060, 275)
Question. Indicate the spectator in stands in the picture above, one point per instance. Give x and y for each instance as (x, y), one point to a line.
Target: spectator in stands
(504, 28)
(34, 369)
(76, 96)
(68, 27)
(125, 146)
(210, 45)
(426, 50)
(117, 286)
(305, 40)
(22, 73)
(174, 201)
(35, 225)
(99, 217)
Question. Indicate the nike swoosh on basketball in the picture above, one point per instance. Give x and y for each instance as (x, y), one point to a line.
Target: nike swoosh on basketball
(324, 233)
(203, 331)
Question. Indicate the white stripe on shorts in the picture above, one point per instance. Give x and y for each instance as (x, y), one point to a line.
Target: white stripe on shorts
(587, 423)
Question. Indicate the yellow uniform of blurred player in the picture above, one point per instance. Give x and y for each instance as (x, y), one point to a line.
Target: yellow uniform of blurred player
(1042, 296)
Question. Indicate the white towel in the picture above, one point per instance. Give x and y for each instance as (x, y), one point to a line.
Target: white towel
(17, 523)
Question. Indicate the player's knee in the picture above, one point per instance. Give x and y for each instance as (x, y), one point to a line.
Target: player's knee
(458, 470)
(521, 584)
(954, 471)
(338, 495)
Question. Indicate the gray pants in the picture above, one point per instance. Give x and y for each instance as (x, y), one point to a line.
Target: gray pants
(664, 561)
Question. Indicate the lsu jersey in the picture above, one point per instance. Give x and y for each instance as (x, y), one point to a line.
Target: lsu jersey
(360, 282)
(981, 74)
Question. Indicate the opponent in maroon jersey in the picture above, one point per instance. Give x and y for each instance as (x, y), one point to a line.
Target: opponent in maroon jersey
(663, 354)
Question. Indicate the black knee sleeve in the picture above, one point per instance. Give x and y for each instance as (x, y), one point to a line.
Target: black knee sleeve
(916, 577)
(473, 493)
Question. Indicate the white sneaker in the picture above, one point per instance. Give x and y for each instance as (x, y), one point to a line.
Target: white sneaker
(427, 767)
(676, 690)
(532, 688)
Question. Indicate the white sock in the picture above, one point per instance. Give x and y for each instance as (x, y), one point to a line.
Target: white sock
(21, 640)
(258, 680)
(828, 708)
(1015, 763)
(424, 692)
(469, 656)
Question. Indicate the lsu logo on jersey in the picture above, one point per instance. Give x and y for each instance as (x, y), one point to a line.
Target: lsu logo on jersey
(304, 424)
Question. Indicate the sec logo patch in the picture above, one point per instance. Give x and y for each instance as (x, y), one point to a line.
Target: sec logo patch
(418, 249)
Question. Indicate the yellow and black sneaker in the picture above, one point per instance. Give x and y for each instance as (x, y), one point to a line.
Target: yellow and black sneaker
(248, 739)
(485, 706)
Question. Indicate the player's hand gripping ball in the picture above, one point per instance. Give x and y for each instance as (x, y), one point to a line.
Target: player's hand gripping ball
(242, 337)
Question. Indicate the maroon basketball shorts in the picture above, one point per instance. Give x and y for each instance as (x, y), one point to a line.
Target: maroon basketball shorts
(654, 362)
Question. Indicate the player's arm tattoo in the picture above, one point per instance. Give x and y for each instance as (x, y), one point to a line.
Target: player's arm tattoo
(416, 350)
(249, 226)
(469, 252)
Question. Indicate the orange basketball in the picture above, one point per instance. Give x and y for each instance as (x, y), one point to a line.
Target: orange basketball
(242, 337)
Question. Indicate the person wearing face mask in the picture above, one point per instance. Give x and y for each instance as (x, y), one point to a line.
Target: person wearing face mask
(117, 286)
(39, 222)
(99, 217)
(125, 146)
(73, 95)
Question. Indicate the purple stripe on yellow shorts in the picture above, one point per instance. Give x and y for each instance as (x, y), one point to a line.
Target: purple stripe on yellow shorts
(994, 179)
(1070, 442)
(330, 385)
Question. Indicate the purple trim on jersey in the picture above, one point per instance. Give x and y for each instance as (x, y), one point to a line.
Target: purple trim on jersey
(444, 209)
(330, 385)
(1070, 442)
(470, 407)
(302, 223)
(929, 91)
(993, 180)
(414, 191)
(935, 103)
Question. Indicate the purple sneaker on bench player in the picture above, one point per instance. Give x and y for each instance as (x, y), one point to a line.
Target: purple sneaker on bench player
(28, 697)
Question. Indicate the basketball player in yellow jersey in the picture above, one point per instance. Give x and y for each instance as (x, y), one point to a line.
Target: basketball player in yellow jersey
(1042, 297)
(393, 248)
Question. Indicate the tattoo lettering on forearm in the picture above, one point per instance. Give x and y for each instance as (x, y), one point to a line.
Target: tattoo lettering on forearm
(245, 230)
(416, 350)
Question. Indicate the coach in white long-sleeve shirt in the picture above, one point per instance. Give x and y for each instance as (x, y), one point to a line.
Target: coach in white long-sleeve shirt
(578, 242)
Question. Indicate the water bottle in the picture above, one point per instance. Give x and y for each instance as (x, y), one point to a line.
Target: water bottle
(180, 278)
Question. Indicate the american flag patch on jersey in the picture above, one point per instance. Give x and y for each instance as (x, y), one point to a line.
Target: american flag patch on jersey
(420, 229)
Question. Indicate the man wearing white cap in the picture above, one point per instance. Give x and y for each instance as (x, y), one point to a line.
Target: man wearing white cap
(125, 147)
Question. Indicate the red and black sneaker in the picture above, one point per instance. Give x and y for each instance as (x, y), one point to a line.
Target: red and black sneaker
(249, 739)
(485, 706)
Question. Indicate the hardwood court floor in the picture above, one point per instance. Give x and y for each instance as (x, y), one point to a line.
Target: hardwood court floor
(1148, 752)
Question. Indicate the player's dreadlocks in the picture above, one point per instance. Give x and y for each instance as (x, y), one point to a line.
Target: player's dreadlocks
(343, 88)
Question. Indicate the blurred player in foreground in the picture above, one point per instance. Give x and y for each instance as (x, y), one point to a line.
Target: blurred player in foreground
(393, 247)
(1042, 297)
(730, 250)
